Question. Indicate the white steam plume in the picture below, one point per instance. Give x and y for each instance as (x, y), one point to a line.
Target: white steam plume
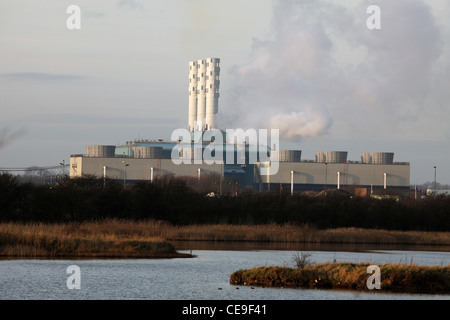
(323, 70)
(305, 124)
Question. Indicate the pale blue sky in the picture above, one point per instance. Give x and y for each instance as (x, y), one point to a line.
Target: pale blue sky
(310, 68)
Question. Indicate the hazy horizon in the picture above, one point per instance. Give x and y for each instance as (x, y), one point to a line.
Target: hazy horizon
(309, 68)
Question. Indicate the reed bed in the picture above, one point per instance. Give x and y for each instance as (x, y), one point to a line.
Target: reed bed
(134, 238)
(394, 277)
(109, 239)
(303, 234)
(287, 233)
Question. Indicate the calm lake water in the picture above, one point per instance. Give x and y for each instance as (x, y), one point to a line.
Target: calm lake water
(205, 277)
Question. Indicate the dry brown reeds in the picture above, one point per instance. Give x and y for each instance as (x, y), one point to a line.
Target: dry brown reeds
(116, 237)
(111, 239)
(303, 234)
(394, 277)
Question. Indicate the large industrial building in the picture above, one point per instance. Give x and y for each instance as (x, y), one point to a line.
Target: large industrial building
(252, 166)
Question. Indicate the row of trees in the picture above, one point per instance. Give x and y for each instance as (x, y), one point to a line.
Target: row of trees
(178, 201)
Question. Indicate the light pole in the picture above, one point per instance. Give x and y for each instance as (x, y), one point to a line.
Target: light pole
(434, 179)
(338, 180)
(104, 176)
(125, 172)
(62, 163)
(222, 172)
(326, 178)
(292, 183)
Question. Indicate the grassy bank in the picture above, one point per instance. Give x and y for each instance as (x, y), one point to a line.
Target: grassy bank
(80, 240)
(149, 238)
(300, 234)
(257, 233)
(394, 277)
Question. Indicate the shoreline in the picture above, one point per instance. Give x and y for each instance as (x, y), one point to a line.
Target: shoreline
(395, 278)
(80, 241)
(99, 257)
(128, 239)
(300, 246)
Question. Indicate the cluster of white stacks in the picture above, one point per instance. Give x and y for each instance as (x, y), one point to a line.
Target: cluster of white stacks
(203, 94)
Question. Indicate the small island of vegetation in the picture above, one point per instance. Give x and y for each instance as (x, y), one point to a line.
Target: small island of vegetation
(106, 239)
(350, 276)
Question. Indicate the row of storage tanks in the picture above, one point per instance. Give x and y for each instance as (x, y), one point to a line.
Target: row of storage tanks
(99, 151)
(366, 157)
(147, 152)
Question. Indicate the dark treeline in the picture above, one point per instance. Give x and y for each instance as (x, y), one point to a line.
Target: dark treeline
(177, 201)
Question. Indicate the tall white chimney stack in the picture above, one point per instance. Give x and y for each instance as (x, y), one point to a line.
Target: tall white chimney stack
(192, 95)
(204, 86)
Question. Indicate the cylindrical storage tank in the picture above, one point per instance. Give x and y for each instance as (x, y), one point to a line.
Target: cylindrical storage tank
(331, 156)
(366, 157)
(320, 156)
(99, 151)
(336, 156)
(147, 152)
(377, 157)
(289, 155)
(382, 157)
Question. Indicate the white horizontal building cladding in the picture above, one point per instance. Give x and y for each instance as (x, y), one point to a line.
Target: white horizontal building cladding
(339, 175)
(147, 163)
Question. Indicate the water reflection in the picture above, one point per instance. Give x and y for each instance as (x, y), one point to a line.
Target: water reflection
(351, 247)
(205, 277)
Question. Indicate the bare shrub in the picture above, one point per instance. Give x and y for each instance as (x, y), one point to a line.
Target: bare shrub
(302, 260)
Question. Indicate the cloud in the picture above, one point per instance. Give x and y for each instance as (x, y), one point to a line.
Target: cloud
(93, 120)
(281, 85)
(322, 70)
(7, 136)
(90, 14)
(308, 123)
(401, 58)
(39, 76)
(131, 4)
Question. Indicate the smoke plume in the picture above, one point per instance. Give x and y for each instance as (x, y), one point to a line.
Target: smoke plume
(321, 69)
(7, 136)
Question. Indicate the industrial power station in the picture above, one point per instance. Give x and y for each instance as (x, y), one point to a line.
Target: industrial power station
(259, 167)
